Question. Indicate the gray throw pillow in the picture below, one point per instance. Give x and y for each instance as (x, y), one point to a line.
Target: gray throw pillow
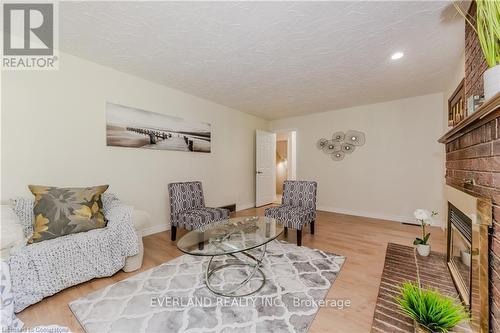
(63, 211)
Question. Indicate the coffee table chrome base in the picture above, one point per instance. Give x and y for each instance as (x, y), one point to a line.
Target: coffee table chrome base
(254, 263)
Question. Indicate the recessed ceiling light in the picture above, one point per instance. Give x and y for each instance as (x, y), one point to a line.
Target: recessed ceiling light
(397, 55)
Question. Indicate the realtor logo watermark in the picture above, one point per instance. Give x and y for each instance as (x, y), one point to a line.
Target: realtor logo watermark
(30, 36)
(304, 304)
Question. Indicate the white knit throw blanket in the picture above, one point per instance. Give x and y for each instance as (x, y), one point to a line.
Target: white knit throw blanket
(43, 269)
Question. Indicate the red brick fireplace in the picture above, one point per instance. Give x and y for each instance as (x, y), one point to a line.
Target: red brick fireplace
(473, 166)
(473, 161)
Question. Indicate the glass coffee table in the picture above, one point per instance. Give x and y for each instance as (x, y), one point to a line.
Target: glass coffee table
(243, 239)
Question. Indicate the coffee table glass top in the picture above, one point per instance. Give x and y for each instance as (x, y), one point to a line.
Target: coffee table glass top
(230, 236)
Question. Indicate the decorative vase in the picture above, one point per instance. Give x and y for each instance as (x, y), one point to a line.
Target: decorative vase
(423, 250)
(491, 80)
(465, 258)
(419, 328)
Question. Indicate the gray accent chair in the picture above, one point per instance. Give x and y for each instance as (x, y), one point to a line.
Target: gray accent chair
(298, 206)
(187, 208)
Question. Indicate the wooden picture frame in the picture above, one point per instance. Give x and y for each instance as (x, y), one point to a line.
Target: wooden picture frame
(456, 105)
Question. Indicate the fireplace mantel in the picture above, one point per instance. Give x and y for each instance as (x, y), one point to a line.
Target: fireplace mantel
(486, 112)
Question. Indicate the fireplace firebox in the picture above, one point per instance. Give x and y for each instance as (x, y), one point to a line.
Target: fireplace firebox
(459, 251)
(469, 218)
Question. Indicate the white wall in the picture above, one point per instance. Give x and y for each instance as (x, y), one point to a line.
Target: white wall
(397, 170)
(53, 133)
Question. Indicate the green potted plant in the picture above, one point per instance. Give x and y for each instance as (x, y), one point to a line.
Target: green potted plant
(422, 244)
(430, 310)
(487, 28)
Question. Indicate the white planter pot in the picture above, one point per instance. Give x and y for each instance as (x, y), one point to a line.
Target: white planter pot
(465, 258)
(424, 250)
(491, 79)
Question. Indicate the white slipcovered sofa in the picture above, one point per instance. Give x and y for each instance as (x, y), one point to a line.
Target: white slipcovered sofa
(42, 269)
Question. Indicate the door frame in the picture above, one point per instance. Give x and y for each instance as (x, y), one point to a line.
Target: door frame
(292, 150)
(273, 168)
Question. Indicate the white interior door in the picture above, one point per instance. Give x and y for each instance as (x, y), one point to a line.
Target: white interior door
(265, 168)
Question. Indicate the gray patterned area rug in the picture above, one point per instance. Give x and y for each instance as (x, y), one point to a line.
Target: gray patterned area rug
(173, 297)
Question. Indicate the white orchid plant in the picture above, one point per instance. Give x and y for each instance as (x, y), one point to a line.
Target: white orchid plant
(423, 216)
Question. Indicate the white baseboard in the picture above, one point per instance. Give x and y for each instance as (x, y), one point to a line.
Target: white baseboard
(394, 218)
(155, 229)
(162, 227)
(245, 206)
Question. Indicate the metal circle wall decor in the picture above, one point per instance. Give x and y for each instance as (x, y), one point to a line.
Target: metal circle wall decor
(341, 144)
(321, 143)
(338, 137)
(330, 147)
(348, 148)
(355, 138)
(338, 156)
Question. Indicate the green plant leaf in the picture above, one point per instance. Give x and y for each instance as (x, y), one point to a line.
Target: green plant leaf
(417, 241)
(436, 312)
(426, 238)
(487, 28)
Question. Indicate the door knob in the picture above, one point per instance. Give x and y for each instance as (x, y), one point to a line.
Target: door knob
(259, 172)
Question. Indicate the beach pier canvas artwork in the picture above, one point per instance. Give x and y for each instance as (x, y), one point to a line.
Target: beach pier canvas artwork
(135, 128)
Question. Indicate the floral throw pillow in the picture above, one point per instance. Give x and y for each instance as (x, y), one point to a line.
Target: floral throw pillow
(63, 211)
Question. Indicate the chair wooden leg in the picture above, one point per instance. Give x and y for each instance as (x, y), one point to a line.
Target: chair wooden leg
(299, 237)
(285, 232)
(312, 227)
(173, 232)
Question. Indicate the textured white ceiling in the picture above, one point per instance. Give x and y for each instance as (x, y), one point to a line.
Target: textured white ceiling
(272, 59)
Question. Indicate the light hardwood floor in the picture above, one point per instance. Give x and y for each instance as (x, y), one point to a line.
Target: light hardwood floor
(362, 240)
